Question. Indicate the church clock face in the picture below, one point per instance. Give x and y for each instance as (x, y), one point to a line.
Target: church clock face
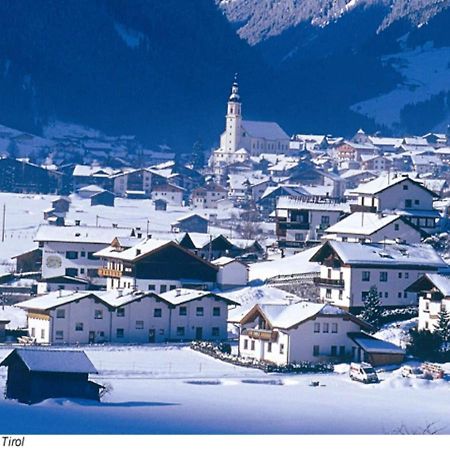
(53, 262)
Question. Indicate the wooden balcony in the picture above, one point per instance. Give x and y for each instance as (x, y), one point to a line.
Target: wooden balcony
(264, 335)
(362, 208)
(110, 273)
(328, 282)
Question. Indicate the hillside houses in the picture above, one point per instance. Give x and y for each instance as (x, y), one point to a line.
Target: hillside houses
(348, 270)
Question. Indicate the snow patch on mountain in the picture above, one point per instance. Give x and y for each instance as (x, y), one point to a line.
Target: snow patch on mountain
(425, 71)
(131, 37)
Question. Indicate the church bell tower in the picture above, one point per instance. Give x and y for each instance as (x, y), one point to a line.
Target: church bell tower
(233, 119)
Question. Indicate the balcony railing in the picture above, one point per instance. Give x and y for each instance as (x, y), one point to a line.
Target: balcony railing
(110, 273)
(293, 225)
(264, 335)
(328, 282)
(362, 208)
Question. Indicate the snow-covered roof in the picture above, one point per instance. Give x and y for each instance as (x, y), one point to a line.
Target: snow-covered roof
(441, 282)
(264, 130)
(187, 217)
(381, 183)
(45, 360)
(291, 265)
(137, 251)
(287, 316)
(91, 188)
(299, 203)
(53, 300)
(362, 223)
(224, 260)
(385, 141)
(84, 234)
(349, 173)
(371, 344)
(385, 255)
(426, 160)
(179, 296)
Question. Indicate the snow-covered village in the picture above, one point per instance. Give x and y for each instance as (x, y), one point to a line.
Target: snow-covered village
(271, 281)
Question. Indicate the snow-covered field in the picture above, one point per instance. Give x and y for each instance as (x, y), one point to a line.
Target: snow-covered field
(24, 213)
(426, 72)
(172, 389)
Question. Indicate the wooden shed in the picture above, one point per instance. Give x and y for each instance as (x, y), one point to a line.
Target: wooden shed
(104, 198)
(37, 374)
(375, 351)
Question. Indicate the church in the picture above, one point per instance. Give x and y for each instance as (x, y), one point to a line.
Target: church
(244, 138)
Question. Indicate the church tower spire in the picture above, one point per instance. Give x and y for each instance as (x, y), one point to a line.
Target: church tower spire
(233, 118)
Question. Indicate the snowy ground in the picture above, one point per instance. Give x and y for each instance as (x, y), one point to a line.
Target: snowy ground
(172, 389)
(24, 214)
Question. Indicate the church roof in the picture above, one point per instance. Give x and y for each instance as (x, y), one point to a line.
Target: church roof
(264, 130)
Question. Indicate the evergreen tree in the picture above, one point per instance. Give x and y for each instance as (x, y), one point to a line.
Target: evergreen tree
(198, 155)
(372, 308)
(424, 344)
(443, 327)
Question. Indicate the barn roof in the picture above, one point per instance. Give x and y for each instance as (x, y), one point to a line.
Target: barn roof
(59, 361)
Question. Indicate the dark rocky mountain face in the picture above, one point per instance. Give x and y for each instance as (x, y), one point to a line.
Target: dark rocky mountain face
(162, 69)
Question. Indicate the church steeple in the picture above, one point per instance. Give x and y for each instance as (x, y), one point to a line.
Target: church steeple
(233, 118)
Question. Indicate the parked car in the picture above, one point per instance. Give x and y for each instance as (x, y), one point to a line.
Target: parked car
(412, 372)
(363, 372)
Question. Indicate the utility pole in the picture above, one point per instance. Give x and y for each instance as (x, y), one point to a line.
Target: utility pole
(3, 222)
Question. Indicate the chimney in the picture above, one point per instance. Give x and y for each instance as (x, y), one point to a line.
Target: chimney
(77, 222)
(120, 292)
(139, 235)
(59, 293)
(114, 225)
(138, 251)
(178, 292)
(149, 236)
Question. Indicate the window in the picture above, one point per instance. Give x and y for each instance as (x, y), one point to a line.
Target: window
(408, 203)
(316, 350)
(139, 324)
(98, 314)
(252, 345)
(161, 331)
(71, 255)
(340, 294)
(33, 332)
(120, 312)
(216, 311)
(120, 333)
(151, 287)
(342, 350)
(70, 272)
(365, 276)
(416, 202)
(325, 220)
(60, 313)
(79, 326)
(269, 347)
(183, 311)
(334, 327)
(328, 293)
(333, 350)
(157, 312)
(317, 327)
(329, 273)
(245, 344)
(172, 287)
(59, 334)
(386, 295)
(406, 275)
(405, 187)
(399, 274)
(91, 256)
(215, 332)
(396, 227)
(299, 237)
(82, 271)
(180, 331)
(42, 334)
(163, 288)
(199, 311)
(383, 276)
(325, 328)
(399, 295)
(83, 254)
(281, 349)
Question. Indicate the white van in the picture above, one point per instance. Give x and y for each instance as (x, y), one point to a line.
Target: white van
(363, 372)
